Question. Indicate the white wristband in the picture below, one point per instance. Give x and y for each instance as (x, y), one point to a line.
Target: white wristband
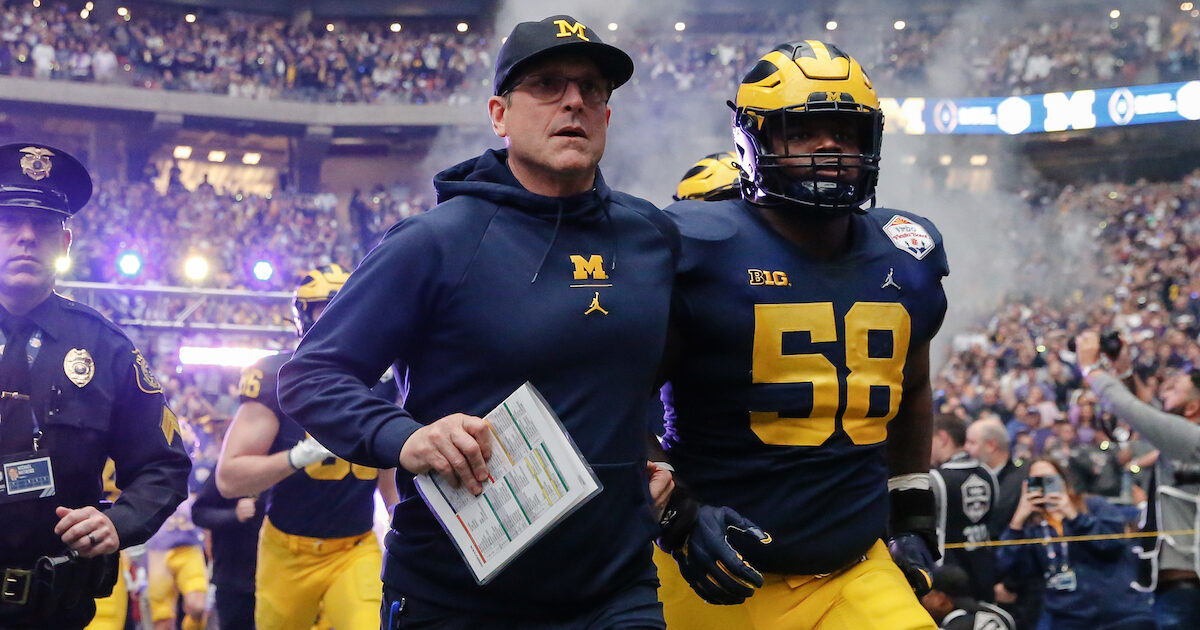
(910, 481)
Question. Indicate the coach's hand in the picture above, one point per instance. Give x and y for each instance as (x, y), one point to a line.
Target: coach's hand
(456, 447)
(911, 553)
(710, 562)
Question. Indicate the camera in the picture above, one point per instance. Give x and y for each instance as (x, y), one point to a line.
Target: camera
(1048, 484)
(1110, 344)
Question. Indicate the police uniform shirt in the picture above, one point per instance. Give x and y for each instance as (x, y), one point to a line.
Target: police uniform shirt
(328, 499)
(965, 492)
(93, 397)
(816, 351)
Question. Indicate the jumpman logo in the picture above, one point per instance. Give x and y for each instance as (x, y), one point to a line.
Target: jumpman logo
(888, 281)
(595, 305)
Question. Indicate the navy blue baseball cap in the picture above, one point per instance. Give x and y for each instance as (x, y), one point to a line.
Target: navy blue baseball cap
(556, 35)
(43, 178)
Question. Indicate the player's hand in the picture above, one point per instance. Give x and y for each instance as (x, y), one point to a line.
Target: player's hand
(245, 509)
(662, 482)
(456, 447)
(87, 530)
(915, 560)
(710, 562)
(307, 452)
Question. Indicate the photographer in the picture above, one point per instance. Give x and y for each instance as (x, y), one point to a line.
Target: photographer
(1176, 433)
(1087, 582)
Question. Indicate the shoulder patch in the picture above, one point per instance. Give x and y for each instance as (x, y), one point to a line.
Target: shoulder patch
(909, 236)
(170, 425)
(144, 376)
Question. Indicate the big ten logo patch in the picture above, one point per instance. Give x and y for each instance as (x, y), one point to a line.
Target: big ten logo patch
(762, 277)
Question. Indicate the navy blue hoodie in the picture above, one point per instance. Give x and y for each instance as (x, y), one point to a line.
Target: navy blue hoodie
(489, 289)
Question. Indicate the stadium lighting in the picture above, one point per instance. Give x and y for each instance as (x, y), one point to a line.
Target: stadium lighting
(182, 152)
(680, 27)
(979, 160)
(91, 6)
(263, 270)
(396, 27)
(1183, 6)
(37, 4)
(831, 25)
(899, 25)
(250, 159)
(62, 264)
(190, 18)
(227, 357)
(129, 264)
(329, 27)
(195, 268)
(612, 26)
(945, 160)
(84, 14)
(122, 11)
(216, 156)
(1114, 14)
(462, 27)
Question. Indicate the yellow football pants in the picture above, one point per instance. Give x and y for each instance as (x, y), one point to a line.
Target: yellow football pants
(171, 573)
(871, 595)
(111, 610)
(297, 574)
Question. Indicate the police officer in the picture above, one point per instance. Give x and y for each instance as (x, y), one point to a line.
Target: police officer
(73, 392)
(965, 491)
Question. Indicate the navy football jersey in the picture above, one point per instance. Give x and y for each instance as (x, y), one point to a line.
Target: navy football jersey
(789, 371)
(329, 499)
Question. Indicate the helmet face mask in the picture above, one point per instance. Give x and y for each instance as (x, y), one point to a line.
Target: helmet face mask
(317, 287)
(797, 91)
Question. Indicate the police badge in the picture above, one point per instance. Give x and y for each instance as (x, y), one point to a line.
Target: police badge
(36, 163)
(79, 366)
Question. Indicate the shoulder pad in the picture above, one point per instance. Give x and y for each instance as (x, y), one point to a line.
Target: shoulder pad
(705, 220)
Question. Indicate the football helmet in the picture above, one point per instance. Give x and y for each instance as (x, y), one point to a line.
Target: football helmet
(317, 287)
(787, 87)
(713, 178)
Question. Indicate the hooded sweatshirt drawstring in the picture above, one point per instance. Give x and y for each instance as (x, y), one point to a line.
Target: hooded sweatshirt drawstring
(553, 237)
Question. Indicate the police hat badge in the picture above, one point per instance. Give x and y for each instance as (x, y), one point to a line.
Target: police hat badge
(42, 178)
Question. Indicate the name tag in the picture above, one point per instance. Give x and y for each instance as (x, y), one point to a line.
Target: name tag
(27, 476)
(1064, 581)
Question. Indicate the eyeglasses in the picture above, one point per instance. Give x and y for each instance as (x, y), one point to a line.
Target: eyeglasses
(551, 87)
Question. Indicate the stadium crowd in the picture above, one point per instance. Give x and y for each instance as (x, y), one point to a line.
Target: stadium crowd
(251, 56)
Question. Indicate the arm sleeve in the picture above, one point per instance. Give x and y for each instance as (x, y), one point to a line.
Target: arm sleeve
(1173, 435)
(1014, 562)
(211, 510)
(376, 319)
(147, 449)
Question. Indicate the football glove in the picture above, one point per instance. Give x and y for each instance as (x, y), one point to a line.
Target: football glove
(913, 540)
(307, 452)
(698, 538)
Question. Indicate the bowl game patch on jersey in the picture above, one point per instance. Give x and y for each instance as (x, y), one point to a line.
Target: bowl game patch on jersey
(908, 236)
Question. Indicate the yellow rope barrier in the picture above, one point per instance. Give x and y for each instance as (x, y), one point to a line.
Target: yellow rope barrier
(1040, 541)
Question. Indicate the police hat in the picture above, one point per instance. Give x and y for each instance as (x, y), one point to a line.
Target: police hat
(44, 178)
(530, 41)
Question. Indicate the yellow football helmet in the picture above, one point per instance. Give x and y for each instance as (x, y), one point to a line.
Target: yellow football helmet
(788, 87)
(713, 178)
(317, 287)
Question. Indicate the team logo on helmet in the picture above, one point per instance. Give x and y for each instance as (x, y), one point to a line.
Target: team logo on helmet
(36, 163)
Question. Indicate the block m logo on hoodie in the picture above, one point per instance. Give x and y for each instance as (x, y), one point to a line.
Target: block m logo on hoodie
(590, 268)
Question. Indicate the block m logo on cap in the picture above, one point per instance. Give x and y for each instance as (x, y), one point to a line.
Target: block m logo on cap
(568, 30)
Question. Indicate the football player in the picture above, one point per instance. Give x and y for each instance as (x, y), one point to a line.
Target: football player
(316, 549)
(713, 178)
(800, 390)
